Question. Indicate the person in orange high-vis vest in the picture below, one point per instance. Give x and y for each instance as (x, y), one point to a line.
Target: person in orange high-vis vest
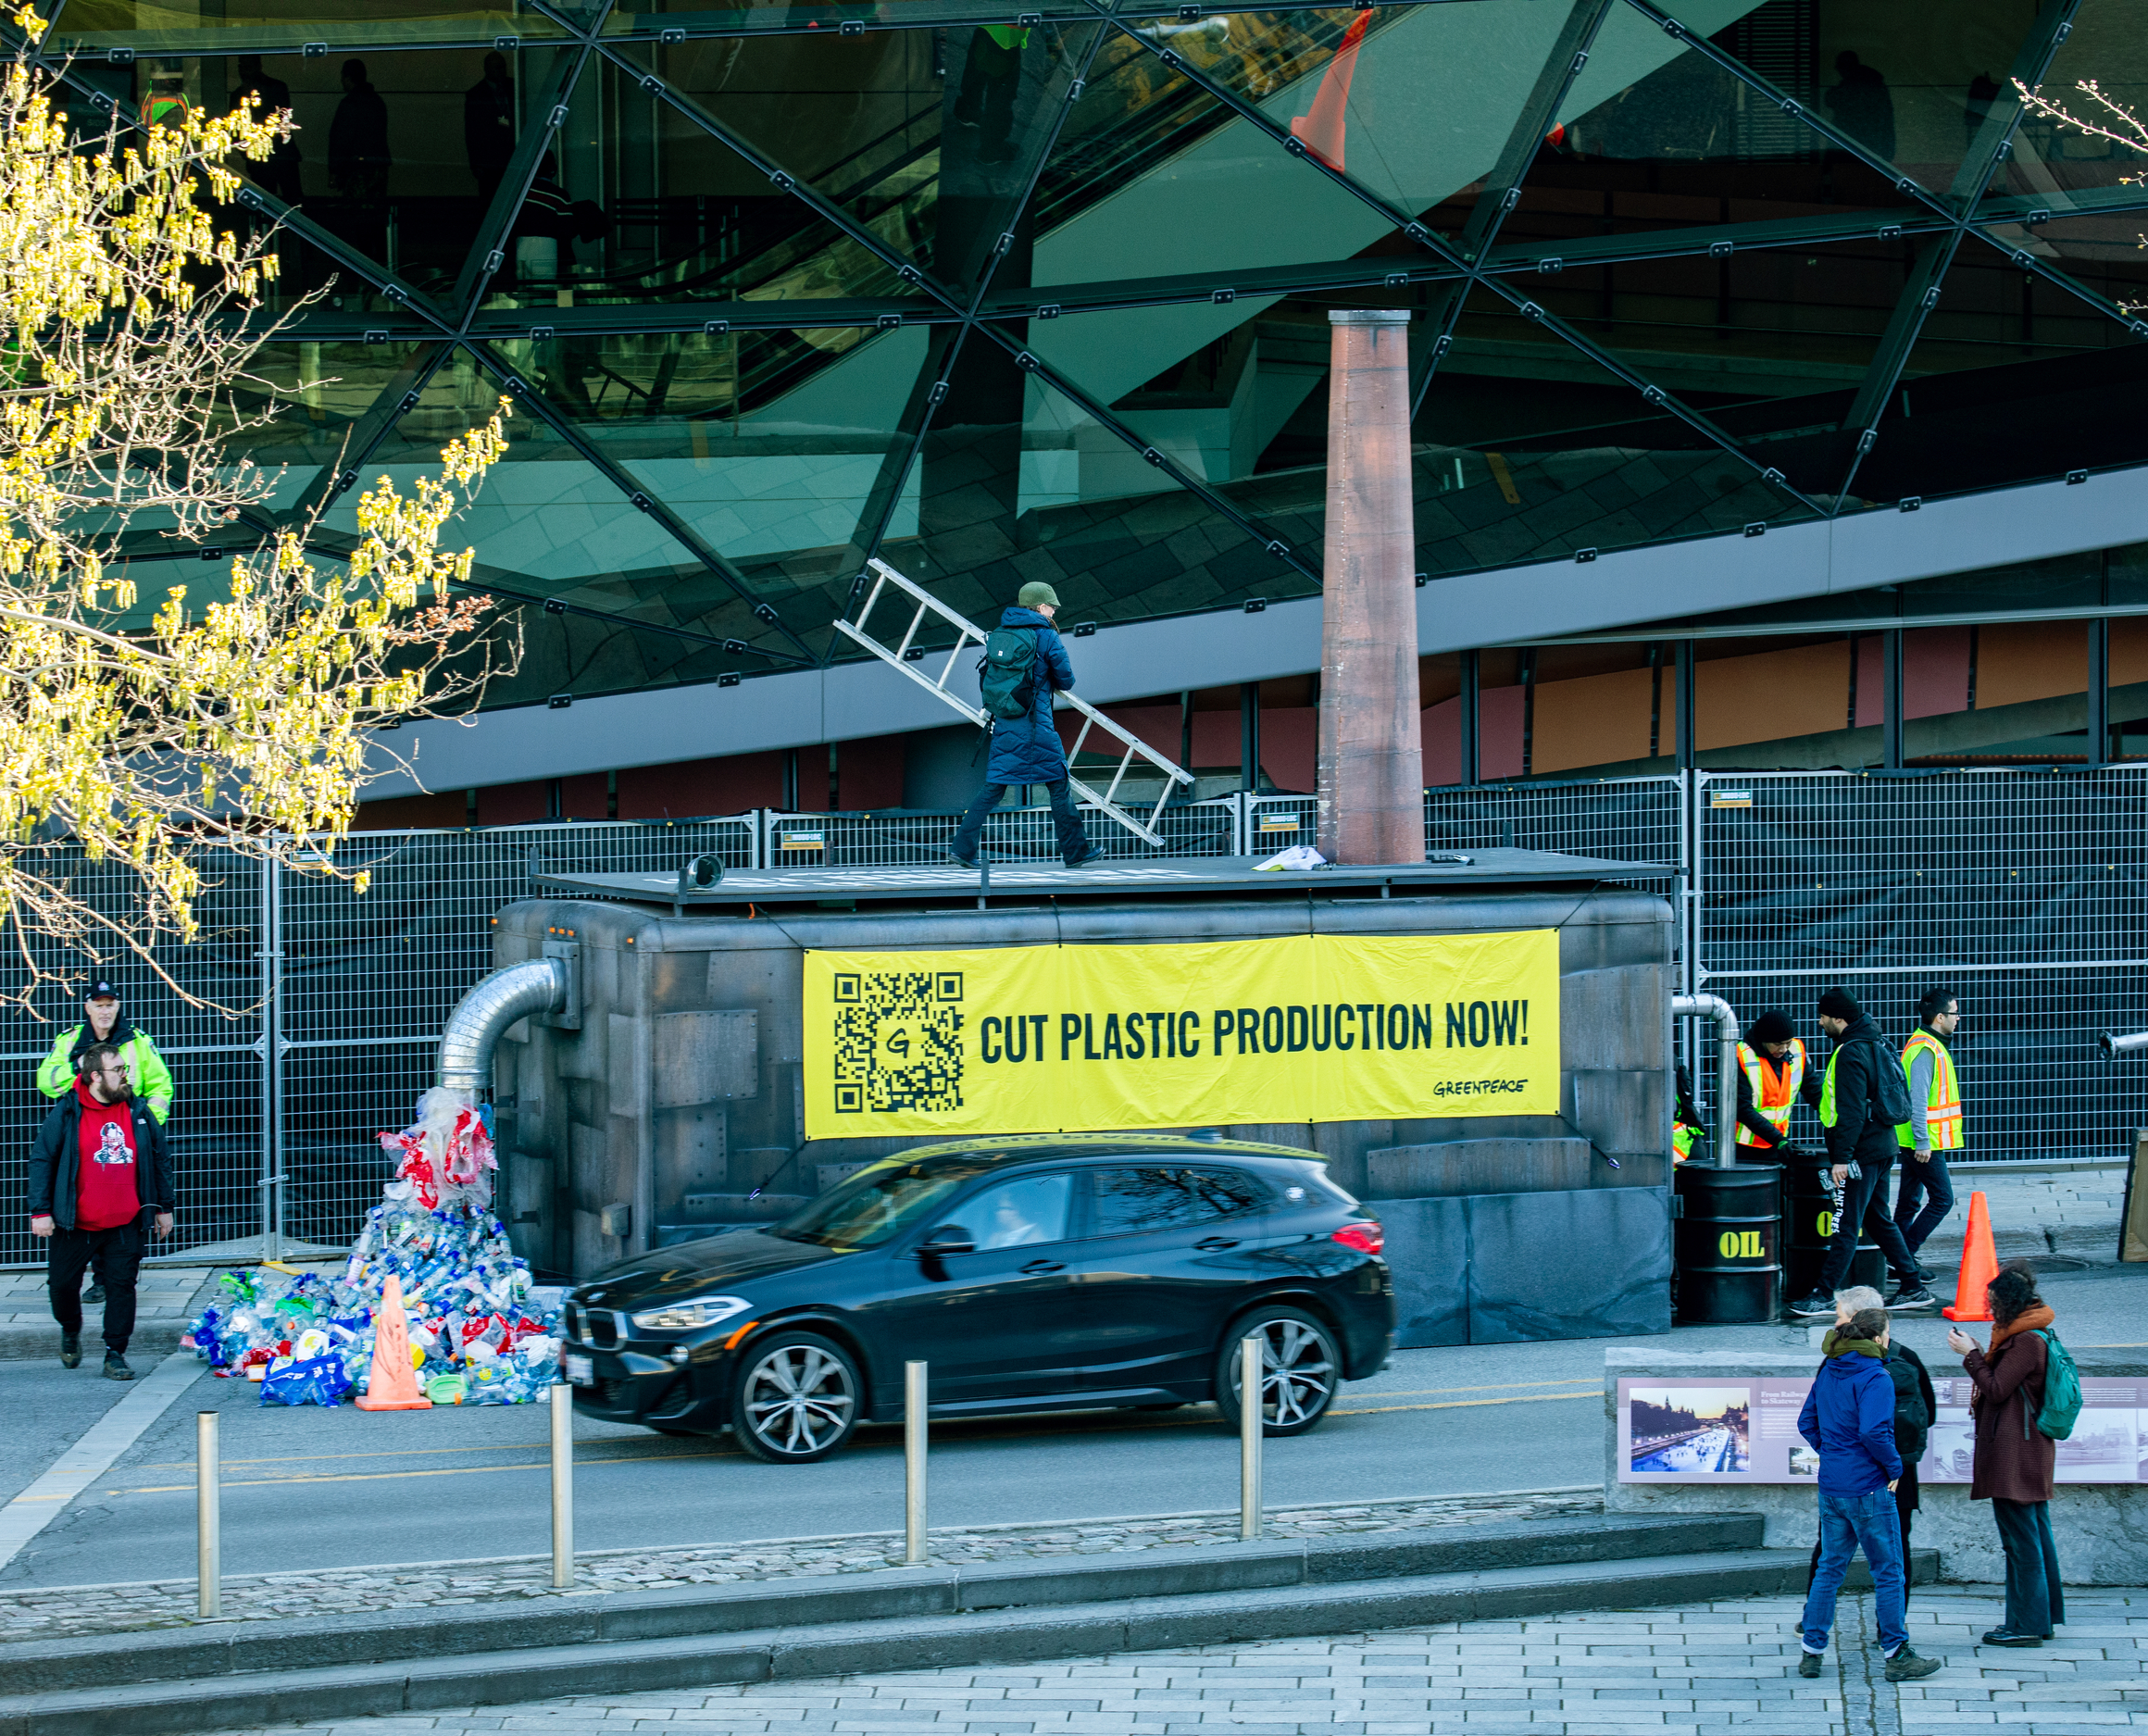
(1772, 1076)
(1935, 1118)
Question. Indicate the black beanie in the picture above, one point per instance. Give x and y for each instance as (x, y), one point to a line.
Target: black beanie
(1840, 1003)
(1770, 1027)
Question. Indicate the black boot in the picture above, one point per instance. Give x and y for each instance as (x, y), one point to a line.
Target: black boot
(71, 1350)
(94, 1294)
(116, 1366)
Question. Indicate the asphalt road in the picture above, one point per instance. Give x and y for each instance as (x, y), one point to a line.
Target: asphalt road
(313, 1488)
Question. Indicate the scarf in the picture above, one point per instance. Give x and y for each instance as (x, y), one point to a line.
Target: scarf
(2036, 1315)
(1838, 1343)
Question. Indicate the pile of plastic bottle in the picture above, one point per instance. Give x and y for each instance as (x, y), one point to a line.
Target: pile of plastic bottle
(481, 1332)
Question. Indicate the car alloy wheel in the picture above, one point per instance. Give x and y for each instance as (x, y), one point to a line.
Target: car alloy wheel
(1299, 1369)
(796, 1398)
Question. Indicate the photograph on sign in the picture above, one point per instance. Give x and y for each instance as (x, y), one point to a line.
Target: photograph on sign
(1689, 1430)
(1746, 1430)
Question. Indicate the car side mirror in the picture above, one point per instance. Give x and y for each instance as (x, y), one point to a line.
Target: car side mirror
(947, 1239)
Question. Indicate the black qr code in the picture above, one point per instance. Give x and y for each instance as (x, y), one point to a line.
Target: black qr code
(898, 1040)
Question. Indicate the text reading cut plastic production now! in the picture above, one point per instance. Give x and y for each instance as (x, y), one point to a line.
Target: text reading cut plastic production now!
(1305, 1028)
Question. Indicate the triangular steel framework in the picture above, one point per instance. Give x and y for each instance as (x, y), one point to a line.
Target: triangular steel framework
(908, 653)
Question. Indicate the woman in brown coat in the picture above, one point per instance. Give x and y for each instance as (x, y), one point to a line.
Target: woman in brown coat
(2014, 1460)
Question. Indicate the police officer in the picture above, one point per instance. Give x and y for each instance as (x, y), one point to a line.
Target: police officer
(150, 1079)
(1935, 1120)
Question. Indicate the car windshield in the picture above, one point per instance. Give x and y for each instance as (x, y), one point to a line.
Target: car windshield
(881, 1201)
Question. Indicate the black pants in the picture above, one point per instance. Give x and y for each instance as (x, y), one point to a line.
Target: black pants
(118, 1256)
(1904, 1510)
(2035, 1600)
(1864, 1202)
(1073, 841)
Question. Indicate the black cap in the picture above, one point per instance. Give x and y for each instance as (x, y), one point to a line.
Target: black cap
(1770, 1027)
(1841, 1004)
(102, 991)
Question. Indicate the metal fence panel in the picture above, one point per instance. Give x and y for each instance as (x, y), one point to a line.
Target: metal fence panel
(920, 837)
(2024, 892)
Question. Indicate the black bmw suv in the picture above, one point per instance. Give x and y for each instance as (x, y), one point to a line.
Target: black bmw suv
(1056, 1272)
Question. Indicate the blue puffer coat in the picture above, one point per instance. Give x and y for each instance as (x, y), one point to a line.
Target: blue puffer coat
(1028, 750)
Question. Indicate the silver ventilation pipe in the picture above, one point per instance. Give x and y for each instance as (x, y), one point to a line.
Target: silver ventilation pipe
(1715, 1007)
(2113, 1044)
(535, 986)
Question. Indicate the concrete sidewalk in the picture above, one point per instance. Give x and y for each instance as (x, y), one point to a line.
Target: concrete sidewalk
(1609, 1673)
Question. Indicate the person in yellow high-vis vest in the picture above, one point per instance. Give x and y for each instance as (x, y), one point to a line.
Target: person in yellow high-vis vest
(1773, 1074)
(1935, 1120)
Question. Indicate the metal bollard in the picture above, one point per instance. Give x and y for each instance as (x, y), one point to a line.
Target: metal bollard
(562, 1486)
(208, 1549)
(1251, 1355)
(914, 1464)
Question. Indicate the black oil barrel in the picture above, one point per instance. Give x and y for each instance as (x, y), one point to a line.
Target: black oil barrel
(1725, 1240)
(1808, 1219)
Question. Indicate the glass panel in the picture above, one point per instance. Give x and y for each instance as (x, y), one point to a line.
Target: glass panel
(1655, 136)
(643, 203)
(1527, 449)
(651, 18)
(925, 138)
(397, 156)
(1017, 482)
(2108, 45)
(1911, 93)
(232, 26)
(1152, 176)
(1761, 323)
(550, 524)
(2102, 252)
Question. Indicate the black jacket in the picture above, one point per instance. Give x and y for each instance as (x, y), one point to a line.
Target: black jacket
(56, 1162)
(1862, 1129)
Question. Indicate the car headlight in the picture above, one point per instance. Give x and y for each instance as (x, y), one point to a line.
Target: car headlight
(690, 1314)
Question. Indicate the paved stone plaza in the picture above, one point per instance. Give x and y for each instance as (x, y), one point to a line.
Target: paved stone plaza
(1732, 1665)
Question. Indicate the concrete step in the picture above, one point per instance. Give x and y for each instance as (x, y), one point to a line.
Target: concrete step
(921, 1619)
(201, 1650)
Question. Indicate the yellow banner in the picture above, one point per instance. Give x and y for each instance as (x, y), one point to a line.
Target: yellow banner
(1311, 1028)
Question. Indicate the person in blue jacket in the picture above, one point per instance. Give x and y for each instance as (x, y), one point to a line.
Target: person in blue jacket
(1027, 750)
(1849, 1420)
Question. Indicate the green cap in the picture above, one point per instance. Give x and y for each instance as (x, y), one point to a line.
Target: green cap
(1037, 592)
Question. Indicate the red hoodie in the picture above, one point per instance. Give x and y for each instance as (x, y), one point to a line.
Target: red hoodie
(107, 1195)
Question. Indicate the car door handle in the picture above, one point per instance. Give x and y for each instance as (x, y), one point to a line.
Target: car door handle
(1216, 1245)
(1039, 1268)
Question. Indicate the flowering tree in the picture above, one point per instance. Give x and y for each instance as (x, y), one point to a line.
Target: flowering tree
(131, 327)
(2099, 116)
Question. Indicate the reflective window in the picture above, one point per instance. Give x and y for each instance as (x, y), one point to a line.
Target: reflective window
(1016, 1214)
(1131, 1202)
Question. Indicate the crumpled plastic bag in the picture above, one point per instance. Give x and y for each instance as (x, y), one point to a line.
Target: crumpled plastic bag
(1298, 857)
(314, 1380)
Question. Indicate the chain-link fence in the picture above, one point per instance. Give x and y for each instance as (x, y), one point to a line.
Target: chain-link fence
(2025, 892)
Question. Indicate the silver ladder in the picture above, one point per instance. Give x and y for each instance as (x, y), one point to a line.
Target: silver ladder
(905, 659)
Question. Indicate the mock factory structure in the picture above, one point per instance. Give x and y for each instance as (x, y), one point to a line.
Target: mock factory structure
(1480, 1045)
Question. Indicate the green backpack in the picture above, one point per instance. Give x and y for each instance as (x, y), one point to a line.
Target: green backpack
(2062, 1389)
(1009, 672)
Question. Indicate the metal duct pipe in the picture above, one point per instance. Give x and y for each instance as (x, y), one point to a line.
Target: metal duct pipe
(1715, 1007)
(538, 985)
(2113, 1044)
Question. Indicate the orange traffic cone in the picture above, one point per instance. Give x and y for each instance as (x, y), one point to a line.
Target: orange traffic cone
(393, 1384)
(1321, 131)
(1979, 1266)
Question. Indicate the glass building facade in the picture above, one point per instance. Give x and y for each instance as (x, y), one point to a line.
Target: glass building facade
(998, 295)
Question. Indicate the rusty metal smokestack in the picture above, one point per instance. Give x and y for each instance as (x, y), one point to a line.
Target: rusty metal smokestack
(1371, 767)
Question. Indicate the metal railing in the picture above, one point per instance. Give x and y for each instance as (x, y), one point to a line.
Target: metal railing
(2025, 892)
